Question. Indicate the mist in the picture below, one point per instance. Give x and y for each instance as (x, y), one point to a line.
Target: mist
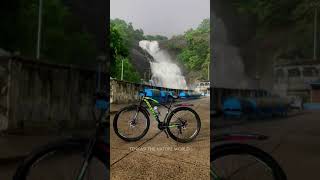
(227, 65)
(165, 73)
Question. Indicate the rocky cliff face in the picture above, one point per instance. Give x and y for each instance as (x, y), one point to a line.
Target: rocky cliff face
(140, 59)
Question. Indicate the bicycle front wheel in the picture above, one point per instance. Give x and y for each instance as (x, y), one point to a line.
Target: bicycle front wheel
(183, 124)
(131, 123)
(240, 161)
(63, 160)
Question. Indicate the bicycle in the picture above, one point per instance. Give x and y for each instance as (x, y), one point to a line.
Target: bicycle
(181, 123)
(73, 156)
(253, 163)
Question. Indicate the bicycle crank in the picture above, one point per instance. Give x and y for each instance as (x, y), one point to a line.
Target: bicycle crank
(162, 126)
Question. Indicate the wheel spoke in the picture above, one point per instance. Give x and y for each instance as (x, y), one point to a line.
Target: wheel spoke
(244, 162)
(53, 165)
(186, 124)
(135, 126)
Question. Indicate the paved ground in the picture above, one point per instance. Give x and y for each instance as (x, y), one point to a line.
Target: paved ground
(158, 157)
(294, 141)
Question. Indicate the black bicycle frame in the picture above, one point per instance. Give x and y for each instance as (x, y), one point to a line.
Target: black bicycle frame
(148, 101)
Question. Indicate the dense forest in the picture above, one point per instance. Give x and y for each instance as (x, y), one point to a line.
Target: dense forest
(191, 49)
(66, 36)
(122, 38)
(285, 25)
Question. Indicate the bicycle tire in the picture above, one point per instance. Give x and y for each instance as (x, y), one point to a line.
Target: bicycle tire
(34, 157)
(184, 140)
(244, 149)
(128, 108)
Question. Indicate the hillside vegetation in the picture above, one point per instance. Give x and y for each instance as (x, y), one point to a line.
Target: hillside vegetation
(64, 38)
(191, 49)
(285, 26)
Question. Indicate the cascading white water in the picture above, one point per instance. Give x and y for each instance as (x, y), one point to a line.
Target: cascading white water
(165, 73)
(228, 68)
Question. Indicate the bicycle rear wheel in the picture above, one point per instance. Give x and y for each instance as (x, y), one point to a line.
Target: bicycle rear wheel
(63, 160)
(183, 124)
(243, 162)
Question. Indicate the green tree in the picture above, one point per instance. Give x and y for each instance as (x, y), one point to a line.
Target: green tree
(129, 73)
(129, 34)
(122, 37)
(196, 55)
(294, 17)
(118, 48)
(63, 38)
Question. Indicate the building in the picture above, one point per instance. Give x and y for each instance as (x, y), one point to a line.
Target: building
(292, 78)
(203, 87)
(315, 92)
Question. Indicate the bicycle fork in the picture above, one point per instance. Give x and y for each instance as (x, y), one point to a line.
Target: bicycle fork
(214, 175)
(87, 158)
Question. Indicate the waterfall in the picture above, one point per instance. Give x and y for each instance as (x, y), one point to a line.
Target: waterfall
(165, 73)
(228, 68)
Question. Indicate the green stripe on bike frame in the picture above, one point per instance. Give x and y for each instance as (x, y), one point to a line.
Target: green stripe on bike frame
(214, 174)
(172, 126)
(150, 107)
(148, 98)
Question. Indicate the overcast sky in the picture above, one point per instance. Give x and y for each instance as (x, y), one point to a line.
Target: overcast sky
(164, 17)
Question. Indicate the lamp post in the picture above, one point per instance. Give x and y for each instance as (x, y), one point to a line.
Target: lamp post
(122, 69)
(209, 71)
(39, 30)
(315, 33)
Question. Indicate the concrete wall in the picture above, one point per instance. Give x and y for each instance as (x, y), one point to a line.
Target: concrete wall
(37, 94)
(126, 92)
